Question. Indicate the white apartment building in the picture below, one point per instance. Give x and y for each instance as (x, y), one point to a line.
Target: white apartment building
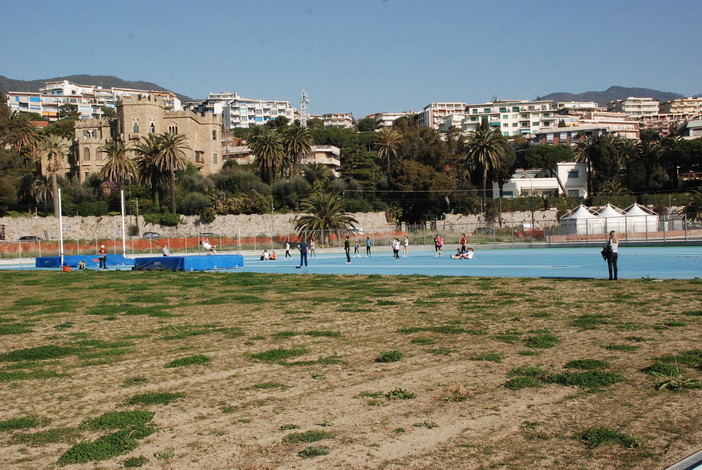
(342, 120)
(88, 99)
(433, 114)
(387, 119)
(682, 106)
(634, 107)
(512, 117)
(539, 182)
(237, 111)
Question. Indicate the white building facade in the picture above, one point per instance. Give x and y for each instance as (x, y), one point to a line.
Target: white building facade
(539, 182)
(242, 112)
(633, 106)
(433, 114)
(512, 117)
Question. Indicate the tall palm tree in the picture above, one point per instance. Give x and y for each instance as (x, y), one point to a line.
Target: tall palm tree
(326, 215)
(582, 155)
(118, 168)
(149, 175)
(649, 153)
(388, 144)
(317, 174)
(297, 143)
(171, 158)
(486, 148)
(268, 148)
(55, 148)
(693, 208)
(628, 154)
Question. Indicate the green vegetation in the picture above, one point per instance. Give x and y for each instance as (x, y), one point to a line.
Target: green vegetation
(310, 452)
(20, 423)
(308, 436)
(278, 354)
(154, 398)
(197, 359)
(389, 356)
(399, 394)
(102, 448)
(119, 420)
(595, 437)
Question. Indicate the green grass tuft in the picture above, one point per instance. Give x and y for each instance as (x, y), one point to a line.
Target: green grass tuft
(154, 398)
(389, 356)
(542, 341)
(102, 448)
(587, 364)
(118, 420)
(38, 353)
(278, 354)
(595, 437)
(24, 422)
(310, 452)
(400, 394)
(197, 359)
(519, 383)
(660, 368)
(308, 436)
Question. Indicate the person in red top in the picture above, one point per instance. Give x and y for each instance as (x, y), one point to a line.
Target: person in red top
(102, 257)
(463, 242)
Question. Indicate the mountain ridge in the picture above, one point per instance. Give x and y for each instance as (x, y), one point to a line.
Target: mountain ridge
(106, 81)
(611, 94)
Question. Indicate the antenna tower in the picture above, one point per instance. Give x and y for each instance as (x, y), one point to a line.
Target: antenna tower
(304, 99)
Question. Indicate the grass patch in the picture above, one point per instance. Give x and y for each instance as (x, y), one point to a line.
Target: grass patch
(423, 341)
(330, 334)
(118, 420)
(24, 422)
(14, 329)
(278, 354)
(595, 437)
(519, 383)
(135, 462)
(589, 379)
(267, 386)
(310, 452)
(9, 376)
(308, 436)
(621, 347)
(132, 381)
(590, 321)
(197, 359)
(587, 364)
(389, 356)
(38, 353)
(662, 369)
(542, 341)
(491, 357)
(400, 394)
(50, 436)
(154, 398)
(102, 448)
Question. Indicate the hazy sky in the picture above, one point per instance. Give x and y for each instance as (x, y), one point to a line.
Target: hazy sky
(361, 56)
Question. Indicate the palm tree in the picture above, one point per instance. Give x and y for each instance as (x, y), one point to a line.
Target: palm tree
(628, 154)
(268, 148)
(317, 174)
(486, 149)
(118, 168)
(388, 142)
(582, 155)
(649, 151)
(149, 175)
(55, 149)
(17, 132)
(297, 143)
(171, 158)
(326, 215)
(693, 208)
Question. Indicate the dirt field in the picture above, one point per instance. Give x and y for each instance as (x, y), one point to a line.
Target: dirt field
(251, 371)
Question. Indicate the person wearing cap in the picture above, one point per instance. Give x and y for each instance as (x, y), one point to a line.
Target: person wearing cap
(102, 257)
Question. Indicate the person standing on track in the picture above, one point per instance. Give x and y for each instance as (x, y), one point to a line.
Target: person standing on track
(347, 249)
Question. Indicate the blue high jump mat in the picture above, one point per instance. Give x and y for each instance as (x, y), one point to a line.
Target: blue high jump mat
(189, 263)
(91, 261)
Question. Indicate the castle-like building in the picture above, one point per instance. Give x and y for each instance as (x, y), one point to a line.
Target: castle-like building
(139, 116)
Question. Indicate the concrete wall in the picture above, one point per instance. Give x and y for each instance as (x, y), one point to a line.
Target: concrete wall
(86, 228)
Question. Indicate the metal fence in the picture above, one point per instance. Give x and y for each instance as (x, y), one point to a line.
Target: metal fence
(670, 228)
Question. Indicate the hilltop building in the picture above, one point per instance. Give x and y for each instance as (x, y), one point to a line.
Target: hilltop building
(512, 117)
(682, 106)
(634, 107)
(88, 99)
(342, 120)
(138, 116)
(540, 182)
(387, 119)
(237, 111)
(434, 114)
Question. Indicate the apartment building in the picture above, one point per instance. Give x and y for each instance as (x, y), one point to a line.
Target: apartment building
(139, 116)
(433, 114)
(682, 106)
(512, 117)
(387, 119)
(634, 107)
(88, 99)
(540, 182)
(342, 120)
(664, 124)
(571, 107)
(242, 112)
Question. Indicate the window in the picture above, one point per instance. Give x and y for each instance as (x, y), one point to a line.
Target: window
(514, 124)
(505, 125)
(173, 129)
(86, 134)
(573, 174)
(515, 109)
(86, 154)
(135, 126)
(474, 118)
(152, 128)
(214, 158)
(475, 111)
(525, 116)
(486, 110)
(503, 110)
(573, 192)
(505, 116)
(214, 135)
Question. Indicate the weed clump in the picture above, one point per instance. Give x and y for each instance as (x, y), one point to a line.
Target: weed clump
(519, 383)
(542, 341)
(660, 368)
(590, 379)
(102, 448)
(20, 423)
(595, 437)
(154, 398)
(587, 364)
(310, 452)
(278, 354)
(400, 394)
(389, 356)
(309, 436)
(135, 462)
(38, 353)
(119, 420)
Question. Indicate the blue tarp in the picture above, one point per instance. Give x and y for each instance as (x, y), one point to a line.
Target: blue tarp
(91, 261)
(189, 263)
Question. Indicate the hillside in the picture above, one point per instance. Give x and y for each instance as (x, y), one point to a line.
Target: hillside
(106, 81)
(612, 93)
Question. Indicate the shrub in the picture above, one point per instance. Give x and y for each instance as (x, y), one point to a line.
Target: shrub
(389, 356)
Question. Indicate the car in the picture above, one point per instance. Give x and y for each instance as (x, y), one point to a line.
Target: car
(210, 235)
(358, 230)
(152, 235)
(29, 238)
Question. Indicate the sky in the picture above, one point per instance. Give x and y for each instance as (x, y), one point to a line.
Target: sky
(361, 56)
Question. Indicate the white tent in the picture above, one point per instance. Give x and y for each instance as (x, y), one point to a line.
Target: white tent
(613, 219)
(641, 219)
(581, 221)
